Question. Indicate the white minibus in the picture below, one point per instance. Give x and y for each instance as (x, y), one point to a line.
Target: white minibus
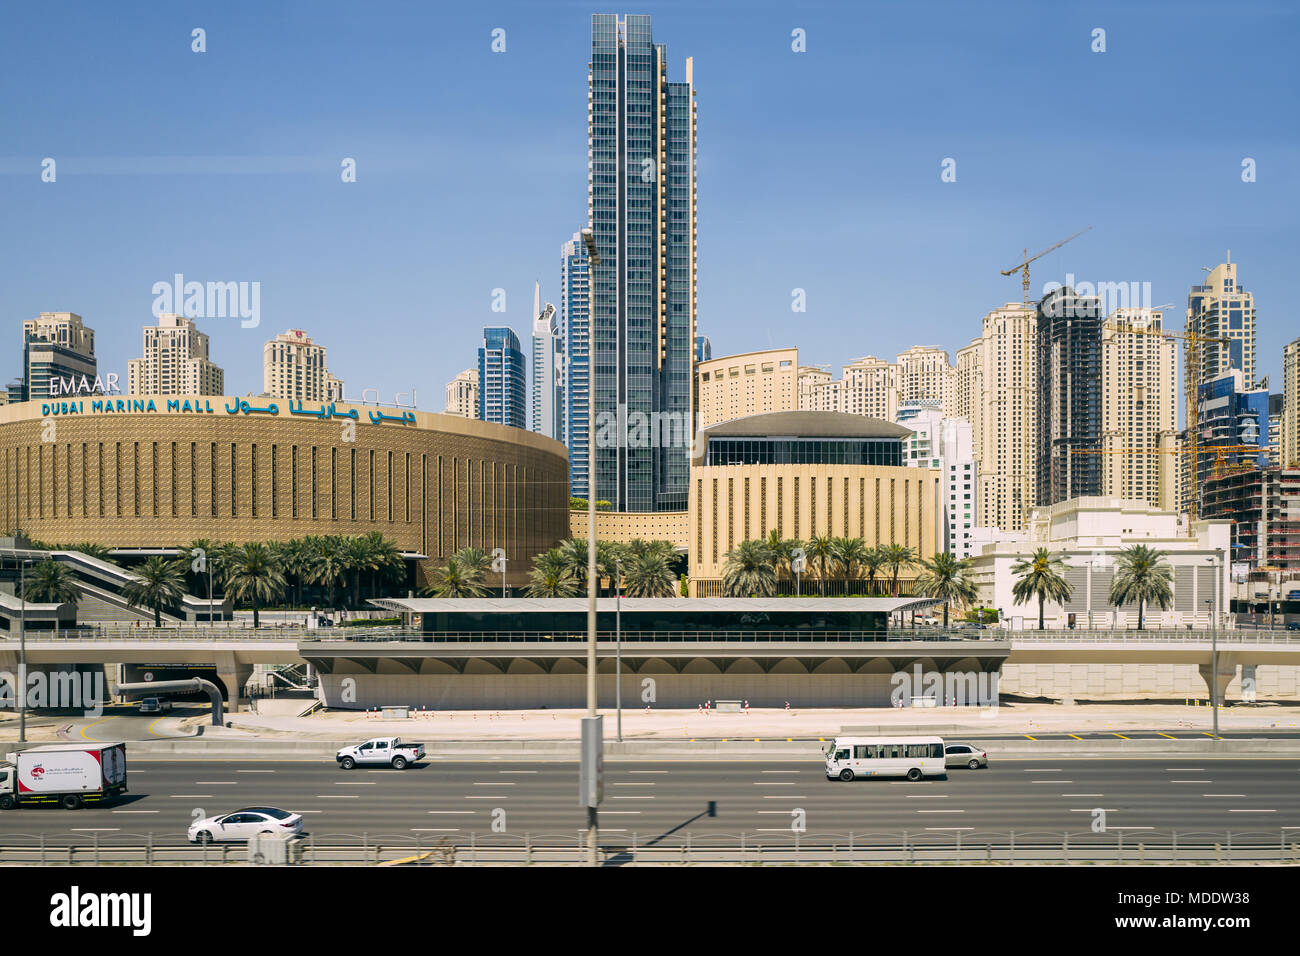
(848, 758)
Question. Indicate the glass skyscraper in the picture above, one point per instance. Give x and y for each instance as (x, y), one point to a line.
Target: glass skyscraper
(641, 205)
(575, 376)
(501, 378)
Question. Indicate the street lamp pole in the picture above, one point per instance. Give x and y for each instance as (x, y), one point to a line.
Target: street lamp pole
(22, 653)
(618, 645)
(593, 260)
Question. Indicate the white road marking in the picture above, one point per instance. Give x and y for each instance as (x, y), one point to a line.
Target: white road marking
(216, 783)
(451, 811)
(940, 811)
(95, 829)
(1191, 781)
(354, 783)
(1090, 809)
(435, 829)
(495, 783)
(135, 811)
(254, 771)
(1043, 770)
(788, 796)
(1182, 769)
(517, 771)
(1083, 795)
(338, 796)
(189, 796)
(927, 796)
(1053, 782)
(950, 828)
(780, 771)
(1223, 795)
(631, 798)
(774, 783)
(1252, 811)
(623, 783)
(647, 771)
(622, 813)
(499, 796)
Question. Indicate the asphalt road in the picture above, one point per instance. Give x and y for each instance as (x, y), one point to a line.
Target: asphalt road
(1144, 797)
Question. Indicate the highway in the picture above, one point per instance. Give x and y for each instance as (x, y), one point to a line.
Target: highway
(1145, 797)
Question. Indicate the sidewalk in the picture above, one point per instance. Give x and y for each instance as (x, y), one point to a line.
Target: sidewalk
(768, 724)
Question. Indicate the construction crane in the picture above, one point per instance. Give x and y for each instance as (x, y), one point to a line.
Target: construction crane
(1220, 453)
(1023, 267)
(1192, 364)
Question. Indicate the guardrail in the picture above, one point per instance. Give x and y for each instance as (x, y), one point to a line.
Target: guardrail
(686, 848)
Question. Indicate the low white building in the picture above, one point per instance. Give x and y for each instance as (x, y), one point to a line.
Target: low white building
(1088, 534)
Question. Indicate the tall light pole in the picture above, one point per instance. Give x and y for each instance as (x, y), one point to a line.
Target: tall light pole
(592, 750)
(618, 644)
(1214, 644)
(22, 652)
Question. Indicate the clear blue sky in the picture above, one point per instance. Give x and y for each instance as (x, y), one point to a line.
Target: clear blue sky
(817, 170)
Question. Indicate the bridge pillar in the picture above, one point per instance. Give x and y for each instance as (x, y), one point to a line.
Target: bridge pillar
(234, 674)
(1227, 671)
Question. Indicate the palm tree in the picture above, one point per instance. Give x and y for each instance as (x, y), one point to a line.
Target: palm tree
(1040, 577)
(157, 582)
(385, 560)
(749, 571)
(199, 547)
(849, 553)
(51, 582)
(574, 552)
(462, 576)
(649, 574)
(896, 556)
(550, 577)
(872, 562)
(821, 548)
(295, 560)
(946, 578)
(254, 576)
(1142, 575)
(327, 563)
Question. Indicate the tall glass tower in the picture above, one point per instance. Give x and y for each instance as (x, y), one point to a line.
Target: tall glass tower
(573, 329)
(501, 378)
(642, 209)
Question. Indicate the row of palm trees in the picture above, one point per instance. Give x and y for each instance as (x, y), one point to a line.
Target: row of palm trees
(641, 568)
(1142, 576)
(754, 568)
(254, 574)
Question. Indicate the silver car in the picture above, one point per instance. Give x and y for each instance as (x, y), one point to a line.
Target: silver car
(964, 755)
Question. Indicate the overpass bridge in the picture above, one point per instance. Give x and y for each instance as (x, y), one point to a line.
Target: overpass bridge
(523, 668)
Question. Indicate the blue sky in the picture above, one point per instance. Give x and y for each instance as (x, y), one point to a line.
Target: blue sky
(817, 170)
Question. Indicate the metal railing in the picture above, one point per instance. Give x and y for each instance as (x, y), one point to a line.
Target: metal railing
(1134, 847)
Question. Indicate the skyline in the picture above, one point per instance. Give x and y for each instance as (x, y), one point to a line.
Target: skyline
(326, 259)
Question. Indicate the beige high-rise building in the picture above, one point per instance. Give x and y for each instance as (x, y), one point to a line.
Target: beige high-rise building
(175, 361)
(998, 375)
(969, 384)
(462, 394)
(871, 388)
(1289, 451)
(817, 390)
(1139, 409)
(926, 375)
(752, 383)
(293, 366)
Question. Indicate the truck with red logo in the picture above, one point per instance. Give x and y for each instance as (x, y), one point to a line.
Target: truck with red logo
(71, 775)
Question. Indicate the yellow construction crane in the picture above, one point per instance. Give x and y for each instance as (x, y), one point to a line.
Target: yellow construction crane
(1220, 454)
(1023, 267)
(1192, 345)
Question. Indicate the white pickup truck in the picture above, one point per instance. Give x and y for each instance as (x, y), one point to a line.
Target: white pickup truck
(389, 751)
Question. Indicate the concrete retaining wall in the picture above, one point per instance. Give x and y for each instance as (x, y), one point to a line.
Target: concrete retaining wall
(1272, 681)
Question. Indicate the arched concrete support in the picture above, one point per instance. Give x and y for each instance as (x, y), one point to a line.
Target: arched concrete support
(1227, 671)
(193, 684)
(234, 674)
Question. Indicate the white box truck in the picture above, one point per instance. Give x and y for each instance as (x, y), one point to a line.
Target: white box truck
(69, 774)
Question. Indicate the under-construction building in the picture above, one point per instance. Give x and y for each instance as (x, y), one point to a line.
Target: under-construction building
(1264, 507)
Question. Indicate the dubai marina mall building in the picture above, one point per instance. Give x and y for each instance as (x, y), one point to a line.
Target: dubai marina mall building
(157, 472)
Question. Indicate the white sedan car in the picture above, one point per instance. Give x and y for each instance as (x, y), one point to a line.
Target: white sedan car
(242, 825)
